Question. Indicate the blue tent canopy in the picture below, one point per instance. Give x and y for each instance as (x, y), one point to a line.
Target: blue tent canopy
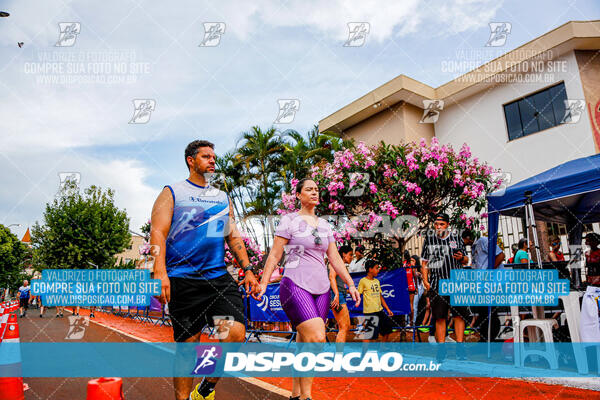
(568, 193)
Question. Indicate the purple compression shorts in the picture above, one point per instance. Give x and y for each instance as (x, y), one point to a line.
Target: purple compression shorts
(300, 305)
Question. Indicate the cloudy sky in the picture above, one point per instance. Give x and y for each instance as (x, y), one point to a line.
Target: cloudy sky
(68, 108)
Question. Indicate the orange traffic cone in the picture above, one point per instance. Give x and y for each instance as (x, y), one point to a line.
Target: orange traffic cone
(3, 319)
(105, 389)
(11, 388)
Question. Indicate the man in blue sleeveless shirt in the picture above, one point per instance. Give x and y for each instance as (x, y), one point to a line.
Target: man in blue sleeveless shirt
(191, 220)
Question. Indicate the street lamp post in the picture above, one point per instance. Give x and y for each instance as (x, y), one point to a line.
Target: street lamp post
(13, 225)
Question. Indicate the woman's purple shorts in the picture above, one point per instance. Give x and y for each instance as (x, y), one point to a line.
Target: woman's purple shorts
(300, 305)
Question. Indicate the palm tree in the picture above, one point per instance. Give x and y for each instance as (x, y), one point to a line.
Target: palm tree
(294, 157)
(322, 146)
(259, 153)
(302, 153)
(232, 184)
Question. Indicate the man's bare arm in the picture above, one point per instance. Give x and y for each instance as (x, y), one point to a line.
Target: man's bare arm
(160, 224)
(235, 241)
(425, 273)
(238, 249)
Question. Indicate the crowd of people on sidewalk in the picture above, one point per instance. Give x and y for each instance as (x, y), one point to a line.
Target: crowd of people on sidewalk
(431, 313)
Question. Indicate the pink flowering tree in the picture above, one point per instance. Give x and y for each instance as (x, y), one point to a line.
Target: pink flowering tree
(385, 194)
(255, 254)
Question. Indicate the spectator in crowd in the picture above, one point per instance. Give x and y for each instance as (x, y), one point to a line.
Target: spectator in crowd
(415, 263)
(514, 248)
(374, 303)
(358, 264)
(555, 253)
(411, 282)
(338, 297)
(592, 259)
(479, 250)
(24, 297)
(442, 252)
(479, 260)
(521, 256)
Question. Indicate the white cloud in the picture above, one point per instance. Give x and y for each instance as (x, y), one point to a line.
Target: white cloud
(33, 180)
(128, 179)
(37, 22)
(387, 19)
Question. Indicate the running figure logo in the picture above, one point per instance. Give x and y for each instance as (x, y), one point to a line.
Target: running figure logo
(365, 330)
(77, 327)
(498, 33)
(573, 111)
(142, 110)
(357, 34)
(206, 359)
(292, 254)
(501, 181)
(287, 110)
(358, 184)
(431, 111)
(73, 177)
(214, 180)
(212, 34)
(68, 33)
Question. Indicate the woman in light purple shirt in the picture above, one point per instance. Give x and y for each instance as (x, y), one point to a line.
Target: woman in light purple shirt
(304, 288)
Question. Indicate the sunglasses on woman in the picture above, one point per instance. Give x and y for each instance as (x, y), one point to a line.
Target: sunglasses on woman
(317, 237)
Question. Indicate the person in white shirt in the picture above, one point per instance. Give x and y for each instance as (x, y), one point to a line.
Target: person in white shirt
(358, 264)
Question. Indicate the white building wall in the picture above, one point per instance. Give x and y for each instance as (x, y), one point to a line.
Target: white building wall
(479, 121)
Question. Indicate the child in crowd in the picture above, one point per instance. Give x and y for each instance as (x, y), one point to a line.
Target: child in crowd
(374, 303)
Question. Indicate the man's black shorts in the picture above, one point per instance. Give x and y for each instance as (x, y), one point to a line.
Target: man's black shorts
(385, 324)
(194, 303)
(24, 302)
(441, 304)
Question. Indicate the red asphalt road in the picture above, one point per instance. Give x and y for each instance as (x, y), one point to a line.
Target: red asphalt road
(51, 329)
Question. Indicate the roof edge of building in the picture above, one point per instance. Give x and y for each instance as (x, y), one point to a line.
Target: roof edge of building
(405, 88)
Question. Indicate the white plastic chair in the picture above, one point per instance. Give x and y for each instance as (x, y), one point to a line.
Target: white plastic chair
(545, 325)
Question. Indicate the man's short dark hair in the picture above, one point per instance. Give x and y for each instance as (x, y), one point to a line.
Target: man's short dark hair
(370, 264)
(467, 233)
(192, 149)
(345, 249)
(360, 248)
(593, 237)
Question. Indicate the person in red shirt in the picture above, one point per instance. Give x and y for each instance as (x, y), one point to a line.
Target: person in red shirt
(410, 280)
(514, 248)
(592, 259)
(555, 254)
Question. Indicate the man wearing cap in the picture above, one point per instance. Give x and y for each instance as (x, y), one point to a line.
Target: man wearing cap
(443, 251)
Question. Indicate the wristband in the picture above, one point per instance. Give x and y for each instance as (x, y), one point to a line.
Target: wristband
(247, 268)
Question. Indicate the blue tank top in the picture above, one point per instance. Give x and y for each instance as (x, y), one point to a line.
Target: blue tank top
(196, 242)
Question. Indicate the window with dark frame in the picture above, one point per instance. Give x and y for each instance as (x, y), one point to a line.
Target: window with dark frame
(536, 112)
